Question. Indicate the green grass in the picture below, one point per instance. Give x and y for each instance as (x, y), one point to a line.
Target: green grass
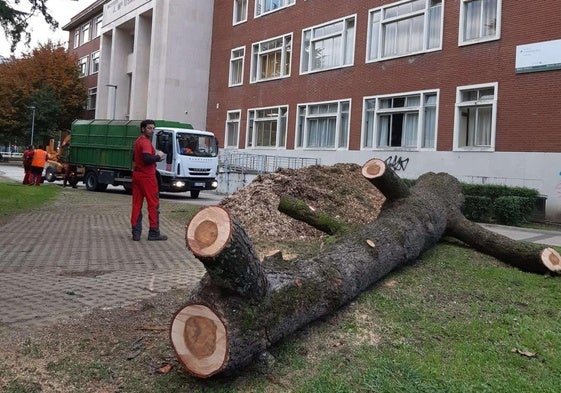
(18, 198)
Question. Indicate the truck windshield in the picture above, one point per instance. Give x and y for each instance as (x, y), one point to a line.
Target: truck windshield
(196, 145)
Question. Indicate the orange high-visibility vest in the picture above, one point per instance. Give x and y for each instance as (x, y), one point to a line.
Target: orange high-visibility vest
(39, 158)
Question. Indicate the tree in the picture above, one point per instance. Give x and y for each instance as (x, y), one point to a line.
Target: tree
(48, 79)
(15, 22)
(243, 305)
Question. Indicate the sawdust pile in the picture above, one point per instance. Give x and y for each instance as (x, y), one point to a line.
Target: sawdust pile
(339, 190)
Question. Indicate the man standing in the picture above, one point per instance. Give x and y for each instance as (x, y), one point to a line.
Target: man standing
(27, 158)
(40, 157)
(145, 183)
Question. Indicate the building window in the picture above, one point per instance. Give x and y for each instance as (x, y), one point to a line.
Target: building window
(76, 38)
(266, 6)
(475, 117)
(400, 121)
(328, 46)
(98, 21)
(236, 66)
(480, 20)
(404, 28)
(94, 67)
(324, 125)
(240, 11)
(83, 66)
(85, 35)
(232, 129)
(92, 98)
(266, 127)
(271, 59)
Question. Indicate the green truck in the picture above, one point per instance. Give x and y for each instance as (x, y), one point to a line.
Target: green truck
(100, 154)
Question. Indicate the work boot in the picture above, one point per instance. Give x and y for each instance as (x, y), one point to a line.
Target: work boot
(136, 238)
(154, 234)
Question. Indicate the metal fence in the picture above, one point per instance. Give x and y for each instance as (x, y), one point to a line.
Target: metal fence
(237, 162)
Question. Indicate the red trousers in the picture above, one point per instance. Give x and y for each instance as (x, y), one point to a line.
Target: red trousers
(145, 187)
(28, 177)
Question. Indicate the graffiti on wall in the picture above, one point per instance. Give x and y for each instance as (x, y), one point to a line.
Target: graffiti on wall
(397, 163)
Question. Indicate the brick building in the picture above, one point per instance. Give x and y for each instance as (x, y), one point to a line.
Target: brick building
(84, 31)
(470, 87)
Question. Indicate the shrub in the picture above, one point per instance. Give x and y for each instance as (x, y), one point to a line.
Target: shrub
(513, 210)
(478, 208)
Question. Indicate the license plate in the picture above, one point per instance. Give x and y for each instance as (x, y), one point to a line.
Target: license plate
(199, 184)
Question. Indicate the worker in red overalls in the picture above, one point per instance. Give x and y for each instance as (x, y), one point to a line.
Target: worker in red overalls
(27, 158)
(145, 183)
(40, 158)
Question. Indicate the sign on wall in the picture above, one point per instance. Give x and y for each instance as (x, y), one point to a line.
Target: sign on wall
(115, 9)
(540, 56)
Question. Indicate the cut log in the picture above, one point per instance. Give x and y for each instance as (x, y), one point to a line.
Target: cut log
(526, 256)
(385, 180)
(221, 244)
(304, 289)
(242, 306)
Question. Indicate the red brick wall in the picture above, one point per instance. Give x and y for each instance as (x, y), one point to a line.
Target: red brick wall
(529, 114)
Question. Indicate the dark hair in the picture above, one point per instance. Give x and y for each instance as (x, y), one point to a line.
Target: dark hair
(30, 147)
(144, 123)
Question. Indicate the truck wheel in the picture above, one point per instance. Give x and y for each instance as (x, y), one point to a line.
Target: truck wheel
(91, 181)
(50, 174)
(194, 194)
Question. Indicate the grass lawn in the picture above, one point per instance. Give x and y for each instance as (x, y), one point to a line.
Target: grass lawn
(18, 198)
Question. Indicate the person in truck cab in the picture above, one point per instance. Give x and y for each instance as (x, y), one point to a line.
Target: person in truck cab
(145, 183)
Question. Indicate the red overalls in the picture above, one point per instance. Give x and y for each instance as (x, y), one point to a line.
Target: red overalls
(144, 185)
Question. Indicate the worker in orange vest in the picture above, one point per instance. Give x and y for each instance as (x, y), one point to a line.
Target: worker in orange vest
(38, 164)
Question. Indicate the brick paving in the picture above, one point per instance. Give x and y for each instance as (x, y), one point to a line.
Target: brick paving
(76, 254)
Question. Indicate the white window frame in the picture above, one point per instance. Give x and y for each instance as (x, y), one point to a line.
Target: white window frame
(85, 33)
(313, 37)
(83, 66)
(380, 20)
(240, 12)
(260, 51)
(271, 6)
(77, 37)
(459, 134)
(281, 119)
(97, 24)
(233, 118)
(94, 63)
(236, 59)
(92, 92)
(462, 40)
(305, 114)
(371, 120)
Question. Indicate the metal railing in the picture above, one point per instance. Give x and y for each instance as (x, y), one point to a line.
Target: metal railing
(260, 163)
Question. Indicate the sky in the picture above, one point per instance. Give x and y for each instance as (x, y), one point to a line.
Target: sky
(61, 10)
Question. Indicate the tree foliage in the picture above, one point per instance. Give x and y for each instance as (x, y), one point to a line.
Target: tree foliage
(15, 22)
(48, 79)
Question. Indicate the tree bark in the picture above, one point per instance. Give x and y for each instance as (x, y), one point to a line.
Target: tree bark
(242, 307)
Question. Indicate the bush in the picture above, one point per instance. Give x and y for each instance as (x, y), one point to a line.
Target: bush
(501, 204)
(478, 208)
(513, 210)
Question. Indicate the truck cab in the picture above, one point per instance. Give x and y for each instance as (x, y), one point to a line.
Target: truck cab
(191, 161)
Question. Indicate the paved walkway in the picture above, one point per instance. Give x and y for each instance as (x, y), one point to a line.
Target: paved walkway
(76, 254)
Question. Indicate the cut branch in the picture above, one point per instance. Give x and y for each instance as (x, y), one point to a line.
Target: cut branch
(526, 256)
(300, 211)
(385, 180)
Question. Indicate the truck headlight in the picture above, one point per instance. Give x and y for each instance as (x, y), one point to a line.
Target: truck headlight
(180, 184)
(214, 184)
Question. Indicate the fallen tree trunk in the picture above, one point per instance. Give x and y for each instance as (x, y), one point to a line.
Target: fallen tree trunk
(242, 307)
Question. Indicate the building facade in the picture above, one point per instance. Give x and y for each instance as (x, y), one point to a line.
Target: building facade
(468, 87)
(84, 31)
(155, 60)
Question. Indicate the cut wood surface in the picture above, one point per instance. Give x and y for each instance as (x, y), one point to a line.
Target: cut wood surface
(243, 306)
